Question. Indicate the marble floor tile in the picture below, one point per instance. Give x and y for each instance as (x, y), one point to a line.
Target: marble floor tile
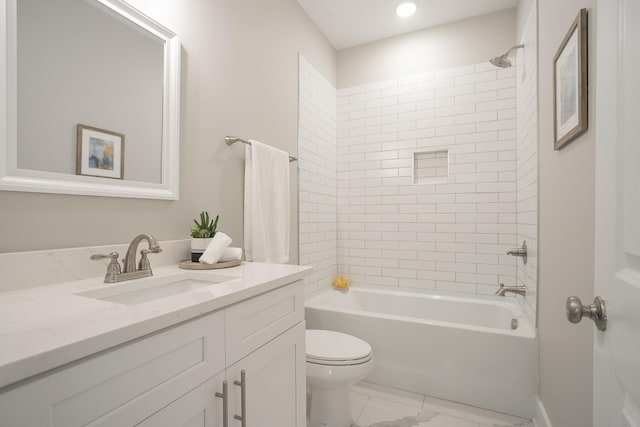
(482, 416)
(521, 424)
(391, 394)
(379, 406)
(449, 421)
(384, 413)
(358, 402)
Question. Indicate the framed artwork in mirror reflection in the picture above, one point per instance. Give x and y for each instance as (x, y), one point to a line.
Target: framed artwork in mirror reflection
(100, 153)
(570, 84)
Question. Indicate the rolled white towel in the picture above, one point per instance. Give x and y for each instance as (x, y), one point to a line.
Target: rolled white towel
(231, 254)
(215, 248)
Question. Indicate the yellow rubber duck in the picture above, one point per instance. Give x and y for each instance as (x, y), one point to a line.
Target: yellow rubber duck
(341, 282)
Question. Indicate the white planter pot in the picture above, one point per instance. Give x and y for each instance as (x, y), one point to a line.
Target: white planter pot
(198, 246)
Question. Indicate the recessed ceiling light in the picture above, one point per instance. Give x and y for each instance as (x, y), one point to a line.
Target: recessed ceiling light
(406, 9)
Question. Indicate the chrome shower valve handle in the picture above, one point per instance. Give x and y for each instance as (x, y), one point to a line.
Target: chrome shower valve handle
(520, 252)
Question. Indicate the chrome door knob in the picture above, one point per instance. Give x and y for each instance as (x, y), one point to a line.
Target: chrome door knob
(596, 311)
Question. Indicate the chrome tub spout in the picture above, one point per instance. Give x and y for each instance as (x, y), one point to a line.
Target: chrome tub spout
(519, 290)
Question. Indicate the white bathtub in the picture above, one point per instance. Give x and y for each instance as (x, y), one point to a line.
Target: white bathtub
(451, 347)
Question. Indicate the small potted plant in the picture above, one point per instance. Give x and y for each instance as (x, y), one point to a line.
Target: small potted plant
(201, 234)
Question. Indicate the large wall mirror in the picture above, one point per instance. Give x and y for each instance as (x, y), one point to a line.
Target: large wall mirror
(89, 102)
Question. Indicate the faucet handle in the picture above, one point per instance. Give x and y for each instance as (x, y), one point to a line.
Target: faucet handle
(520, 252)
(112, 255)
(144, 263)
(113, 269)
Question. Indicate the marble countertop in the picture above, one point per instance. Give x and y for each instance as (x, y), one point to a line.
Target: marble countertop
(47, 327)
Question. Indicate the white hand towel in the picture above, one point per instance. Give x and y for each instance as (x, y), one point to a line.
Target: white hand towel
(266, 204)
(231, 254)
(215, 248)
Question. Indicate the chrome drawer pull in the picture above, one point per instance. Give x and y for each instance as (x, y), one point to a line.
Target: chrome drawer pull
(243, 399)
(225, 404)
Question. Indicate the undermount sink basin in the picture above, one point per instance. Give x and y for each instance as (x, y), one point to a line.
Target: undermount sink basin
(148, 289)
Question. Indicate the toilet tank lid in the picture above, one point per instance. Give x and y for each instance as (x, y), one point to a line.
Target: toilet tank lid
(331, 345)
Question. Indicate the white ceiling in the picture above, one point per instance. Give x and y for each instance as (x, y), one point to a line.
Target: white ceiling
(348, 23)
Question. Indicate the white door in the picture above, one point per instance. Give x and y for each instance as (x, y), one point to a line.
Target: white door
(617, 270)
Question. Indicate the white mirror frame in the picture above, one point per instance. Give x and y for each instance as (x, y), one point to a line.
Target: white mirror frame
(14, 179)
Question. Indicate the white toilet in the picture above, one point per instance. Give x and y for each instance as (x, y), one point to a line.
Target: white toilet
(334, 362)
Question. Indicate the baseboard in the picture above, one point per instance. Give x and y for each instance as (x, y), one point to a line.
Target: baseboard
(541, 419)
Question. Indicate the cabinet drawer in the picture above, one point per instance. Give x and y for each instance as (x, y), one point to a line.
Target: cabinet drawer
(252, 323)
(198, 408)
(122, 386)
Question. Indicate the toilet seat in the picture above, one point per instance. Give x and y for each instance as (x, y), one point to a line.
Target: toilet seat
(338, 362)
(335, 348)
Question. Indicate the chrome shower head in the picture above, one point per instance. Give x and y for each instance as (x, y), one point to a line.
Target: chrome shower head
(502, 61)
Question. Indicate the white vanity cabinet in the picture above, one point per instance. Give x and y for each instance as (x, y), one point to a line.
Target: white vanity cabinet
(171, 378)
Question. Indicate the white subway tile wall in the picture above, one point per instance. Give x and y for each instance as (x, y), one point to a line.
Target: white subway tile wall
(527, 162)
(451, 235)
(362, 212)
(317, 176)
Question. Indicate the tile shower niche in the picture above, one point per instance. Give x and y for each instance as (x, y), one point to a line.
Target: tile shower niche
(431, 167)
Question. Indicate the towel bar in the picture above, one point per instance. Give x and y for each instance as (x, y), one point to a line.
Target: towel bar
(233, 139)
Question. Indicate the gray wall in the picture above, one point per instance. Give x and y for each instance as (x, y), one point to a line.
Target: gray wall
(522, 14)
(239, 76)
(567, 194)
(470, 41)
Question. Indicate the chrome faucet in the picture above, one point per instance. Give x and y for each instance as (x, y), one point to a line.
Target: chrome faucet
(129, 263)
(130, 270)
(519, 290)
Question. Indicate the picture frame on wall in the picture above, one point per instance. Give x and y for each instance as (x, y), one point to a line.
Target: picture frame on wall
(100, 153)
(570, 84)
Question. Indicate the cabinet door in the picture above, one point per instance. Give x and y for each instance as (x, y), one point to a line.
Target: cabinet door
(198, 408)
(275, 392)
